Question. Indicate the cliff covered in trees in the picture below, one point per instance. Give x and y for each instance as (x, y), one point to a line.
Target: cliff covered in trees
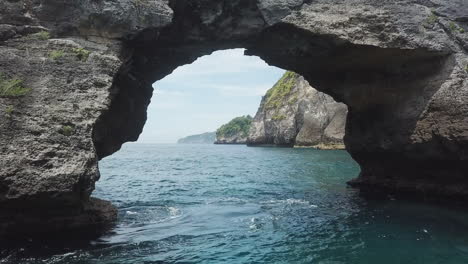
(234, 132)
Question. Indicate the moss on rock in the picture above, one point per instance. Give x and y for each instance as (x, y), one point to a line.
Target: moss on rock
(12, 87)
(275, 96)
(239, 125)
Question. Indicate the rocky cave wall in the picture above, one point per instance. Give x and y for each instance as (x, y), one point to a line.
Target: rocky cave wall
(399, 66)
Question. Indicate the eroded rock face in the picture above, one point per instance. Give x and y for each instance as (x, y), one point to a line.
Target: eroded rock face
(48, 160)
(293, 113)
(399, 66)
(232, 140)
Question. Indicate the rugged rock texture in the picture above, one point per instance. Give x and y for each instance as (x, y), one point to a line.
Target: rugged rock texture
(205, 138)
(235, 131)
(399, 66)
(292, 113)
(237, 139)
(48, 160)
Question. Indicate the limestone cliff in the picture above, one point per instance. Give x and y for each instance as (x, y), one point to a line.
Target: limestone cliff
(235, 131)
(77, 79)
(205, 138)
(292, 113)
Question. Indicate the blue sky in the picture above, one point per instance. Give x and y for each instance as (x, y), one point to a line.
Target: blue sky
(201, 96)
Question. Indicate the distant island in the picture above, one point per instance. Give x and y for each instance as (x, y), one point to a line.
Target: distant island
(234, 132)
(205, 138)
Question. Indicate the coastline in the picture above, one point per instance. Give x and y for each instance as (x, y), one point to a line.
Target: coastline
(324, 146)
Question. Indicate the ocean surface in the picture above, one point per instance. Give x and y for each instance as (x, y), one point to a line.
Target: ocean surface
(236, 204)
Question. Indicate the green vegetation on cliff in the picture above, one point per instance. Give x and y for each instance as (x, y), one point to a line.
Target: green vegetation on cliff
(275, 96)
(66, 130)
(12, 87)
(238, 125)
(81, 53)
(278, 117)
(42, 35)
(56, 54)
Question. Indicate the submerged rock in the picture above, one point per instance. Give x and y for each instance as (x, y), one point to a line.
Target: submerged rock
(94, 217)
(293, 113)
(234, 132)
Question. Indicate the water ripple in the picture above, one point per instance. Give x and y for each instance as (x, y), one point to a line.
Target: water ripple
(233, 204)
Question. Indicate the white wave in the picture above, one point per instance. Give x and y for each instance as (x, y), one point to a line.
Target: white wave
(254, 223)
(174, 212)
(292, 201)
(227, 200)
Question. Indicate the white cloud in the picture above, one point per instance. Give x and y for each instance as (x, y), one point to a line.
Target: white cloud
(165, 104)
(224, 61)
(241, 90)
(171, 93)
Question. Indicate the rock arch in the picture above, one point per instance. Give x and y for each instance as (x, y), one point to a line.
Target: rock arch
(399, 67)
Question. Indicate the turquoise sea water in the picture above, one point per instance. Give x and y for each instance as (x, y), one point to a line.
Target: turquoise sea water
(235, 204)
